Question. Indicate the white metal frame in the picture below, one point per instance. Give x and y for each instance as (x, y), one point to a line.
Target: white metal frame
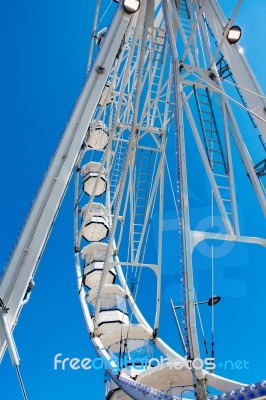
(129, 44)
(28, 251)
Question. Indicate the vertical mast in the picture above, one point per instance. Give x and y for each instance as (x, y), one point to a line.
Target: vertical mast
(189, 301)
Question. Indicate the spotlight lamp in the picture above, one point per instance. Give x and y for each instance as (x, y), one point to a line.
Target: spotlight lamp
(213, 300)
(234, 34)
(131, 6)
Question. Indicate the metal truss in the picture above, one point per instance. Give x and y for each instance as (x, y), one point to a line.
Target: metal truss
(159, 74)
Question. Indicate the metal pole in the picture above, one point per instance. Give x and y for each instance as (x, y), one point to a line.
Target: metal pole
(12, 349)
(178, 326)
(9, 339)
(93, 34)
(198, 302)
(21, 383)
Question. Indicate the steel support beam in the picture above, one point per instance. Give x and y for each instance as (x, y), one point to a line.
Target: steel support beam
(30, 246)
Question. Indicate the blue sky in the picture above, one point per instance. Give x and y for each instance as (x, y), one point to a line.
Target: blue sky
(44, 49)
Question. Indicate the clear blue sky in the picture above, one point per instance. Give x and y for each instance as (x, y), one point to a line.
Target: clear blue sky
(43, 52)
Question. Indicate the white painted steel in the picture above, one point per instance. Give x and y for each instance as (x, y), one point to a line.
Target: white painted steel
(28, 251)
(125, 110)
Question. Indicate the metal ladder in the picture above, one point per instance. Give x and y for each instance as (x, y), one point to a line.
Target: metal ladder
(141, 198)
(213, 146)
(122, 143)
(157, 58)
(185, 18)
(155, 52)
(158, 45)
(118, 167)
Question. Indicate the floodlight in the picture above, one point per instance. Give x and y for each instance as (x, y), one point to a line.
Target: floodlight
(234, 34)
(213, 300)
(131, 6)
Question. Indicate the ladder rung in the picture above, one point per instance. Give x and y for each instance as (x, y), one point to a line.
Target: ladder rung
(217, 162)
(142, 190)
(224, 187)
(210, 130)
(210, 121)
(221, 175)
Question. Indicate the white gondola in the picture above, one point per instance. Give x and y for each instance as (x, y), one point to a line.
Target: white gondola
(111, 319)
(90, 174)
(130, 89)
(93, 274)
(94, 256)
(97, 136)
(96, 226)
(113, 312)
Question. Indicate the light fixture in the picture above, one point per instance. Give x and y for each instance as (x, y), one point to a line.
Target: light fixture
(234, 34)
(213, 300)
(131, 6)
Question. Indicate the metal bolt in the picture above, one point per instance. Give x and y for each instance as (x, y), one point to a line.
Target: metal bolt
(100, 69)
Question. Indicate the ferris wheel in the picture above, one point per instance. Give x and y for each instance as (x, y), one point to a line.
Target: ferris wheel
(165, 79)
